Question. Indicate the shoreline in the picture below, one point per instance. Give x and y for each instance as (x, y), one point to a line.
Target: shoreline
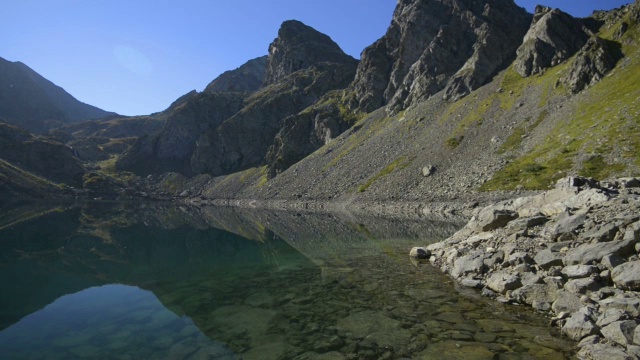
(571, 253)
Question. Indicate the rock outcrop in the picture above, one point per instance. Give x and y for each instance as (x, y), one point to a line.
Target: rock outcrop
(247, 78)
(36, 104)
(596, 59)
(456, 45)
(578, 261)
(554, 36)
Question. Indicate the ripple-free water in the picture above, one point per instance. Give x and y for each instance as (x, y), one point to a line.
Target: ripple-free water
(148, 282)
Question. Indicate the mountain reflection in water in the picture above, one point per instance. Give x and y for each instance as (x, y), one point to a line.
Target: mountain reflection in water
(152, 281)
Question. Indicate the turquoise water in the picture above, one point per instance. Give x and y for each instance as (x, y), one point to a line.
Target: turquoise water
(124, 281)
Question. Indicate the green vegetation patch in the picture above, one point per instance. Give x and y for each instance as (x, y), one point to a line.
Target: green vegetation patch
(597, 167)
(607, 119)
(454, 142)
(398, 164)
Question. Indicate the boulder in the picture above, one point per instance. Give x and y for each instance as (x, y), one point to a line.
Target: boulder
(603, 351)
(503, 281)
(580, 325)
(621, 332)
(610, 316)
(582, 286)
(602, 233)
(627, 275)
(587, 253)
(547, 258)
(579, 271)
(629, 304)
(566, 302)
(420, 253)
(566, 226)
(471, 263)
(491, 218)
(428, 170)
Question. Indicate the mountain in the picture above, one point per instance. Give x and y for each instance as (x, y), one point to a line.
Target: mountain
(559, 100)
(224, 131)
(247, 78)
(34, 103)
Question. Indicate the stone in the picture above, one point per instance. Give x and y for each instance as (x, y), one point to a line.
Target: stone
(602, 233)
(491, 218)
(526, 223)
(611, 261)
(428, 170)
(547, 258)
(420, 253)
(501, 282)
(586, 253)
(579, 271)
(519, 258)
(628, 304)
(589, 340)
(636, 336)
(629, 182)
(566, 226)
(612, 315)
(579, 326)
(603, 351)
(621, 332)
(471, 263)
(539, 293)
(632, 232)
(582, 286)
(471, 283)
(627, 276)
(566, 302)
(496, 258)
(556, 282)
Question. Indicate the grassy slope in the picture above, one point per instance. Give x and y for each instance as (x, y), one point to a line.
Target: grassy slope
(601, 138)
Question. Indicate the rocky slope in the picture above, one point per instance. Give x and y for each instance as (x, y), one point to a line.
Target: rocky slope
(571, 252)
(34, 103)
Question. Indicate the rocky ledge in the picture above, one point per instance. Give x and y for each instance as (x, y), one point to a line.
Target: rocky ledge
(571, 252)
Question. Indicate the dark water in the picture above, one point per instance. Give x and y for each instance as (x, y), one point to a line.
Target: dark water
(124, 281)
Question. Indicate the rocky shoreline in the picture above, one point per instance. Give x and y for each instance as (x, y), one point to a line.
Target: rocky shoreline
(571, 252)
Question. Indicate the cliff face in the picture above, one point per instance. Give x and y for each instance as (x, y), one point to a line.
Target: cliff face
(34, 103)
(456, 45)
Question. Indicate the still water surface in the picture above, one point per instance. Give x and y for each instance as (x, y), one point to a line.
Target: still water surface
(123, 281)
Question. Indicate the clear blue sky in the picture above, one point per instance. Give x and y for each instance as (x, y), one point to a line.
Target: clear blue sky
(137, 56)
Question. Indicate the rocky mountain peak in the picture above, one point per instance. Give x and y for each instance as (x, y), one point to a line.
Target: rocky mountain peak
(298, 47)
(554, 36)
(431, 45)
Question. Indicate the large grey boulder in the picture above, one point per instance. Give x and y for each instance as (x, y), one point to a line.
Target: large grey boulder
(472, 263)
(603, 351)
(566, 302)
(580, 325)
(566, 226)
(491, 218)
(627, 275)
(620, 331)
(554, 36)
(586, 253)
(503, 281)
(547, 258)
(579, 271)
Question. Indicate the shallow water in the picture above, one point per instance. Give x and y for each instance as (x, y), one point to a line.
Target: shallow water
(132, 282)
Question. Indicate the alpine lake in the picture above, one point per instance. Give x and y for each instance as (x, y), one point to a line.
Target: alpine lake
(157, 281)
